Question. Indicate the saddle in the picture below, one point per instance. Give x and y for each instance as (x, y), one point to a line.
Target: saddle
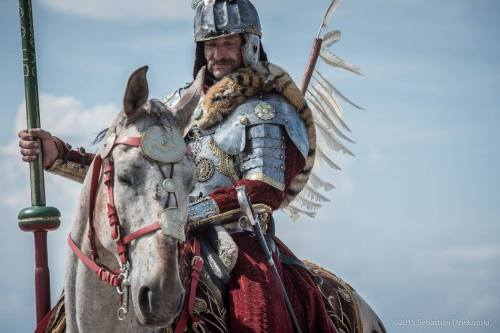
(209, 304)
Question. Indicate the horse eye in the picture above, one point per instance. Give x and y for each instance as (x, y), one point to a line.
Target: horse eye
(124, 180)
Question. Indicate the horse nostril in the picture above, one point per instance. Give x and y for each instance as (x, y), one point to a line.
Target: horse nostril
(145, 300)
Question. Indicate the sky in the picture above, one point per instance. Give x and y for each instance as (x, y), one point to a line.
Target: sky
(413, 224)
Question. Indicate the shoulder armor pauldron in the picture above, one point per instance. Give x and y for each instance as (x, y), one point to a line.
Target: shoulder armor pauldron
(271, 109)
(173, 97)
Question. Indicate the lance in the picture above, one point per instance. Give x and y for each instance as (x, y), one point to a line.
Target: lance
(38, 218)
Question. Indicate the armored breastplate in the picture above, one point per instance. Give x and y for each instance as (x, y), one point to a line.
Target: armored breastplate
(214, 167)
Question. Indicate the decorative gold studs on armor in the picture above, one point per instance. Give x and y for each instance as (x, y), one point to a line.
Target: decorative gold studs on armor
(204, 169)
(244, 121)
(265, 111)
(225, 165)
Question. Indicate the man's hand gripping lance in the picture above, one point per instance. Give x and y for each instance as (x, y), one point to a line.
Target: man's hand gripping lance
(249, 214)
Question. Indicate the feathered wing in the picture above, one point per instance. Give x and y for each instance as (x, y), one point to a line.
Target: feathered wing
(324, 100)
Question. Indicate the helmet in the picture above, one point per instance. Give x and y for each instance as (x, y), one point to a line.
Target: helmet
(217, 18)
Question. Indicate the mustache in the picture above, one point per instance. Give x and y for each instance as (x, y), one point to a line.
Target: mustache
(221, 62)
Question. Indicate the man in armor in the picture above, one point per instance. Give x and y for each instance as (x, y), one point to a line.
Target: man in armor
(253, 128)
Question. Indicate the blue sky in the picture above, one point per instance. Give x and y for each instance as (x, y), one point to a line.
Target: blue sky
(414, 222)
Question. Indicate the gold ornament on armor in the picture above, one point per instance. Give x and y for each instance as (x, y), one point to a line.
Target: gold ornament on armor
(205, 169)
(265, 111)
(226, 164)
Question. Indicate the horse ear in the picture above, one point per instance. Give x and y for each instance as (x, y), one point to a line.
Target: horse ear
(184, 109)
(136, 93)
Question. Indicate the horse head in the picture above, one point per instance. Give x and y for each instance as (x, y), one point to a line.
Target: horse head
(151, 174)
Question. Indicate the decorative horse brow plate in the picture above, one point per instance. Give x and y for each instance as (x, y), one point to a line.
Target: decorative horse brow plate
(109, 142)
(163, 144)
(265, 111)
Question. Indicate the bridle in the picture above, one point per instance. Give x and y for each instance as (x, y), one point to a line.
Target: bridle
(170, 222)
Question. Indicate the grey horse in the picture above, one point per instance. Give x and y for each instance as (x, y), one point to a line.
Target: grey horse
(156, 289)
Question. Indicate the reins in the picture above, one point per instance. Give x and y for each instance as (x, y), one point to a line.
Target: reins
(168, 223)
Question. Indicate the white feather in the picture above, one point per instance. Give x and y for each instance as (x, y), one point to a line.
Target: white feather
(330, 102)
(306, 203)
(329, 13)
(317, 106)
(336, 61)
(322, 157)
(322, 79)
(316, 182)
(294, 211)
(314, 195)
(331, 38)
(331, 141)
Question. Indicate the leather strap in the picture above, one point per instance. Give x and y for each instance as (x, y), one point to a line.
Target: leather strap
(196, 268)
(115, 278)
(114, 223)
(134, 141)
(104, 274)
(141, 232)
(96, 170)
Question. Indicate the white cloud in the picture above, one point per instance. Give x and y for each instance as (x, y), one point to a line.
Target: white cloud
(63, 116)
(66, 117)
(443, 261)
(479, 254)
(130, 10)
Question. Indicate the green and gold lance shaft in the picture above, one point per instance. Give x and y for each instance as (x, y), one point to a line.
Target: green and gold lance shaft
(38, 216)
(31, 93)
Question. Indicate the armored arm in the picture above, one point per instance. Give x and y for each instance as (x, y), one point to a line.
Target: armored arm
(264, 156)
(70, 163)
(269, 143)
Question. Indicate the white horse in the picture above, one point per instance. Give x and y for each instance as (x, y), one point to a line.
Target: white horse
(156, 290)
(151, 275)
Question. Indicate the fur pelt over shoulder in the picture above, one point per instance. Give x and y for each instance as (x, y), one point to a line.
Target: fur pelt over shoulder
(234, 89)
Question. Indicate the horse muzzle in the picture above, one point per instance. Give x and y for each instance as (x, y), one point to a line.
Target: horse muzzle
(156, 310)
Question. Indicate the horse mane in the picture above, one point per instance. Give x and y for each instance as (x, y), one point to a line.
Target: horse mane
(100, 136)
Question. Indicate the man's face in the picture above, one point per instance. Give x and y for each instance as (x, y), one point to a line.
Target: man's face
(223, 55)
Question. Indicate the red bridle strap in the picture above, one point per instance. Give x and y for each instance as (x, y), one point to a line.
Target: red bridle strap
(96, 171)
(134, 141)
(115, 278)
(196, 268)
(104, 274)
(141, 232)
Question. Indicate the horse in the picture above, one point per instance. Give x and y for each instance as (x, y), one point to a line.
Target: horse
(140, 197)
(132, 220)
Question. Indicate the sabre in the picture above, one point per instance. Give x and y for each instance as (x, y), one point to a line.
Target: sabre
(38, 218)
(248, 212)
